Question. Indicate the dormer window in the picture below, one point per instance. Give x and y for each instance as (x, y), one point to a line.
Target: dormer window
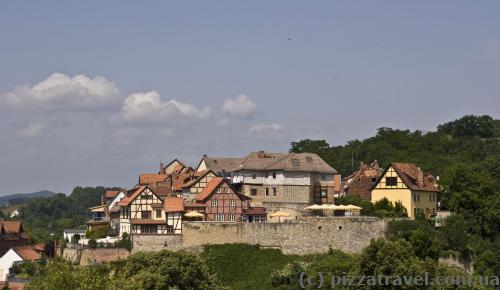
(295, 162)
(274, 175)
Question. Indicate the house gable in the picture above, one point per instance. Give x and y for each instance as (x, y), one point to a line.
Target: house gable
(390, 175)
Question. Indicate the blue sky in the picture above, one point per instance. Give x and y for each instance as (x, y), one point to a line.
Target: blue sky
(166, 79)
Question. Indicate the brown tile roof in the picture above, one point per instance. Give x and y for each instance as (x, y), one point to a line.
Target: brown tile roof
(14, 227)
(162, 191)
(174, 204)
(128, 199)
(306, 162)
(27, 253)
(147, 222)
(219, 164)
(151, 178)
(111, 193)
(414, 178)
(255, 211)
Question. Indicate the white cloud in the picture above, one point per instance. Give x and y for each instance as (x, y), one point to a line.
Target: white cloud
(263, 129)
(149, 107)
(33, 130)
(62, 91)
(241, 106)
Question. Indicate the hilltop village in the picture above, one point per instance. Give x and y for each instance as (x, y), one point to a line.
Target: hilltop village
(261, 187)
(276, 200)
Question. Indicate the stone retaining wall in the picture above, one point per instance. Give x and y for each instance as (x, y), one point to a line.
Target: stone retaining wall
(305, 236)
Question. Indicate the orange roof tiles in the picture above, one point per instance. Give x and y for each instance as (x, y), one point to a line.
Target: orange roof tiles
(27, 252)
(12, 226)
(127, 200)
(174, 204)
(151, 178)
(111, 193)
(209, 189)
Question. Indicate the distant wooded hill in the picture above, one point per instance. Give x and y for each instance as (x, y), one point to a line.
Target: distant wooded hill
(18, 198)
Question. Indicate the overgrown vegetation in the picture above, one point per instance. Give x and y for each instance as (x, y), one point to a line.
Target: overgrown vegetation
(46, 217)
(465, 154)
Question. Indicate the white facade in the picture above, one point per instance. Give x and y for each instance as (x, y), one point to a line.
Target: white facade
(6, 262)
(116, 199)
(70, 234)
(275, 177)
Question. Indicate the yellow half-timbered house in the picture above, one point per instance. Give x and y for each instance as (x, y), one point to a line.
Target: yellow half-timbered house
(407, 183)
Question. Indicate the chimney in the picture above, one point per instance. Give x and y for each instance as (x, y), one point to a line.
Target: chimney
(262, 154)
(205, 155)
(336, 183)
(102, 199)
(162, 168)
(420, 177)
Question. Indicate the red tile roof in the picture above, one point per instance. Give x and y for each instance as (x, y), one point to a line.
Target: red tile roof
(151, 178)
(111, 193)
(210, 188)
(27, 253)
(127, 200)
(174, 204)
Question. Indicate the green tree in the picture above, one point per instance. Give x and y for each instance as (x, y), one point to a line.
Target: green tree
(164, 270)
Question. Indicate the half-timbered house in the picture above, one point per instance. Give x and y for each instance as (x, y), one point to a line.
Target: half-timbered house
(142, 212)
(222, 202)
(195, 186)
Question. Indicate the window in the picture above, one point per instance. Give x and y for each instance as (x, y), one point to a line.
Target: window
(232, 217)
(430, 197)
(146, 214)
(232, 203)
(295, 162)
(323, 177)
(158, 213)
(274, 191)
(219, 217)
(253, 191)
(323, 193)
(391, 181)
(267, 191)
(254, 176)
(374, 179)
(418, 196)
(214, 202)
(144, 196)
(274, 175)
(149, 229)
(414, 197)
